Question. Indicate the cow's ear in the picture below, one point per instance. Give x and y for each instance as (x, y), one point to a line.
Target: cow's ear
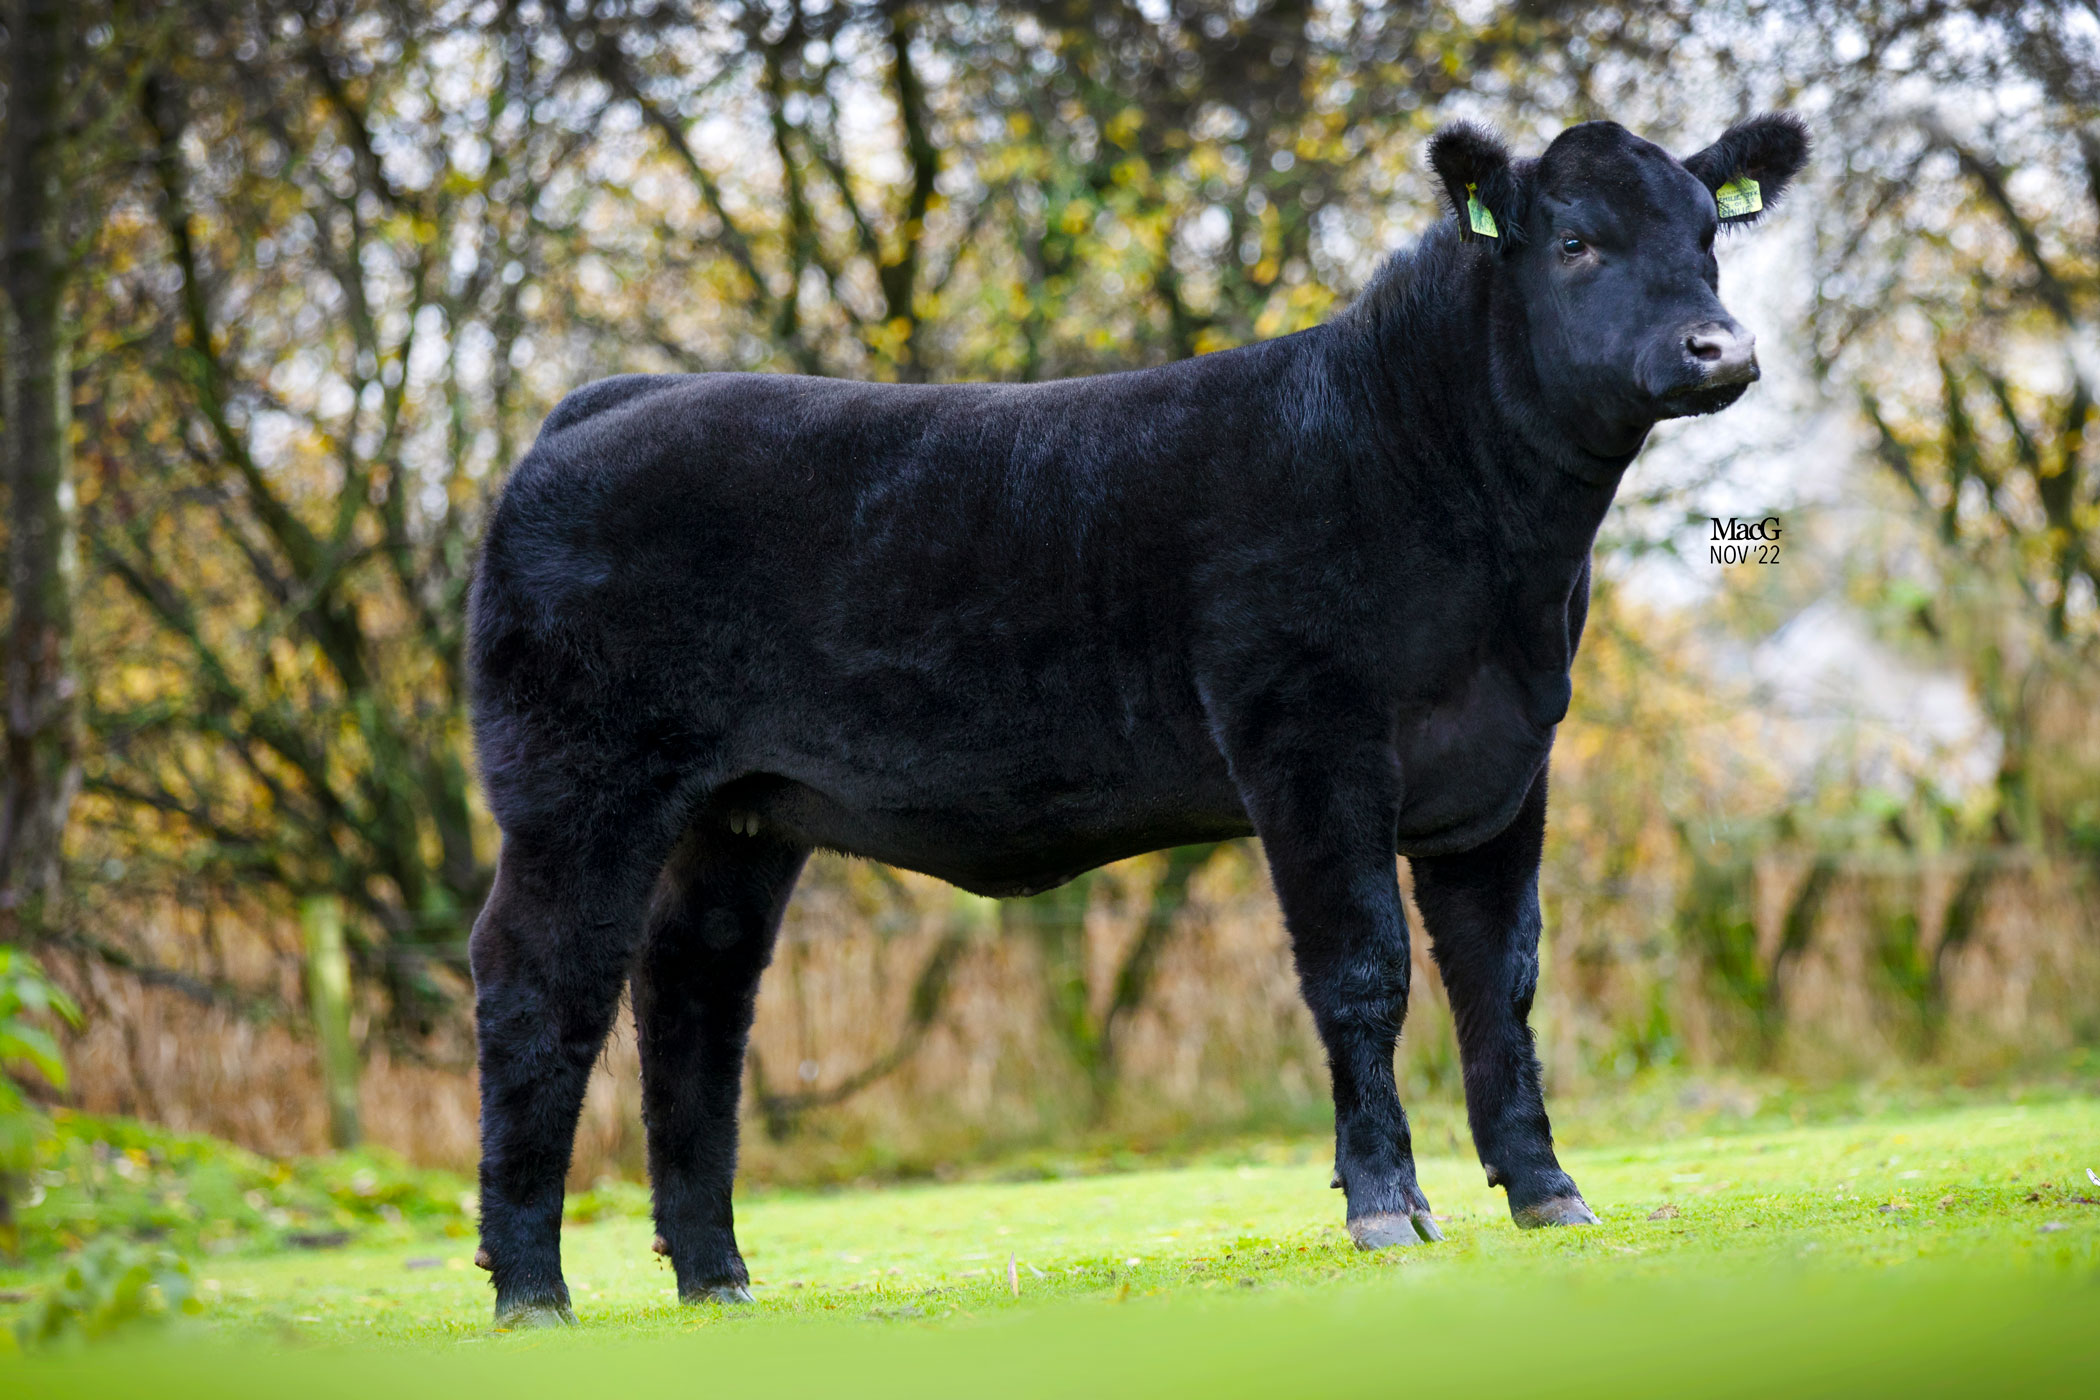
(1480, 183)
(1749, 168)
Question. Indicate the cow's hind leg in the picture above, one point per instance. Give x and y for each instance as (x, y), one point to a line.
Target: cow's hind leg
(710, 935)
(1482, 909)
(552, 946)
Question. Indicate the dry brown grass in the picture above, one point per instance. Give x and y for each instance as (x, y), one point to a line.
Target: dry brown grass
(1221, 1041)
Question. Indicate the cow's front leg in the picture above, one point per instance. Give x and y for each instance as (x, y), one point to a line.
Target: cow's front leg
(1482, 910)
(1326, 818)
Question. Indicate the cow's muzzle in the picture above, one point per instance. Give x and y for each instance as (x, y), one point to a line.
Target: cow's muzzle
(1717, 361)
(1725, 354)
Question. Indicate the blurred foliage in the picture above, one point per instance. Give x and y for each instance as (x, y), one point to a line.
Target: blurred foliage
(29, 1004)
(1959, 285)
(107, 1288)
(1087, 1022)
(117, 1179)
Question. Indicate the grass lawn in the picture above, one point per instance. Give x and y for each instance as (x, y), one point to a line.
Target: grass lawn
(1934, 1254)
(1954, 1187)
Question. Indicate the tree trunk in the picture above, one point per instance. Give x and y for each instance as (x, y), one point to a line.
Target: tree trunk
(328, 991)
(42, 721)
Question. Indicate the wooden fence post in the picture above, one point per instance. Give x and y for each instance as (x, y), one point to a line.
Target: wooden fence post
(328, 991)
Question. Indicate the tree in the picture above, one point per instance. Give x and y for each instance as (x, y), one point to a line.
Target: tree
(42, 761)
(1959, 302)
(311, 385)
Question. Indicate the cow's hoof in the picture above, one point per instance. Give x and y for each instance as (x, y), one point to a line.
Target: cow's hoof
(719, 1293)
(519, 1316)
(1554, 1210)
(1393, 1229)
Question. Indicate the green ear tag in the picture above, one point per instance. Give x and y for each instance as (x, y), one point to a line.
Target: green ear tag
(1738, 197)
(1478, 216)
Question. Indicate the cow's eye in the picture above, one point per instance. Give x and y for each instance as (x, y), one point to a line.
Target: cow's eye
(1572, 247)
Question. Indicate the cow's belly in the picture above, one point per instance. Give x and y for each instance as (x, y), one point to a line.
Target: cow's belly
(979, 851)
(1004, 802)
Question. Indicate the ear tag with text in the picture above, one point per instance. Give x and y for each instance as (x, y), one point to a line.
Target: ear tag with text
(1738, 197)
(1478, 216)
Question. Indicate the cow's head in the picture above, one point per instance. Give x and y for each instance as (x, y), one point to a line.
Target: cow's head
(1607, 242)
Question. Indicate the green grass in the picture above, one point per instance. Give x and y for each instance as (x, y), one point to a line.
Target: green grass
(1932, 1253)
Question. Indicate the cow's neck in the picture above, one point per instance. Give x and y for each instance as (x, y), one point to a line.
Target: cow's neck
(1455, 380)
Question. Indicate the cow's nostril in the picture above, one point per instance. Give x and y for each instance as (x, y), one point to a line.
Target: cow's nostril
(1720, 354)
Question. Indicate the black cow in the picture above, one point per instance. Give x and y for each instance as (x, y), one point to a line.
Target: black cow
(1324, 589)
